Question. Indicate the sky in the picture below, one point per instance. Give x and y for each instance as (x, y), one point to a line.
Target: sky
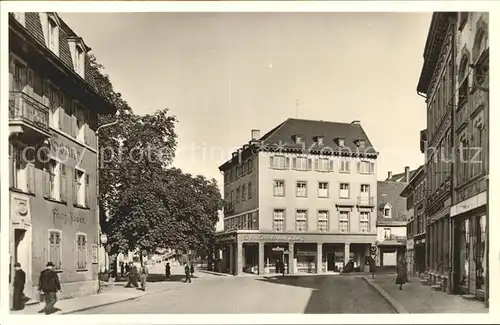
(223, 74)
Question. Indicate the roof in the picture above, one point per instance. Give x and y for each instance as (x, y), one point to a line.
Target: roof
(415, 178)
(400, 177)
(310, 129)
(389, 192)
(283, 135)
(433, 44)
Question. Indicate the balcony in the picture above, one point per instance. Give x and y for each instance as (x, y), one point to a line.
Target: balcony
(366, 201)
(27, 116)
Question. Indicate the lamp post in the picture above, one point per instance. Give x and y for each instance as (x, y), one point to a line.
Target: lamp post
(98, 166)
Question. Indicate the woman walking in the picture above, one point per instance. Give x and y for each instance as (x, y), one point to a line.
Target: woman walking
(402, 275)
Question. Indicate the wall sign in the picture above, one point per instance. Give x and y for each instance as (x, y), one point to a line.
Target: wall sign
(68, 217)
(94, 254)
(274, 237)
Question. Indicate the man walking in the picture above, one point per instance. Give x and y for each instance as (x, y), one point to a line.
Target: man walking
(19, 282)
(49, 285)
(167, 270)
(192, 269)
(143, 274)
(132, 276)
(187, 271)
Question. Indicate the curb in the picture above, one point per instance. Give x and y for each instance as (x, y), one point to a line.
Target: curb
(215, 273)
(398, 307)
(118, 301)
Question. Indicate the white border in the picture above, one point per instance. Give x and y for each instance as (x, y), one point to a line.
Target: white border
(309, 6)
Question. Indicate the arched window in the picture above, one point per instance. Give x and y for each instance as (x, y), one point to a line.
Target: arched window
(480, 54)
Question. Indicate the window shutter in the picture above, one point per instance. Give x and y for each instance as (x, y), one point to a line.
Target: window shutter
(372, 168)
(359, 166)
(347, 165)
(287, 163)
(63, 182)
(46, 182)
(31, 177)
(73, 184)
(271, 162)
(316, 164)
(331, 165)
(309, 164)
(294, 162)
(87, 191)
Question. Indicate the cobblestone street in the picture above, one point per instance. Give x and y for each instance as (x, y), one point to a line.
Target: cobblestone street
(293, 294)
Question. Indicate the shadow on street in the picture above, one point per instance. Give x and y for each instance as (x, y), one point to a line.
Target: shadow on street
(336, 294)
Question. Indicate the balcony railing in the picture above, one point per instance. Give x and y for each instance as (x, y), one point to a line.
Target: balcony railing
(366, 201)
(26, 109)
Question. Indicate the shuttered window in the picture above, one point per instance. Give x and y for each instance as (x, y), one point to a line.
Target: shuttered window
(63, 183)
(81, 258)
(55, 249)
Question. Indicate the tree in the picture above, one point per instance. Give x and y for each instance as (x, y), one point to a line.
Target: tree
(147, 205)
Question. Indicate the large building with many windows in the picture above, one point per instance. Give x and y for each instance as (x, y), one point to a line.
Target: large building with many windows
(303, 194)
(53, 107)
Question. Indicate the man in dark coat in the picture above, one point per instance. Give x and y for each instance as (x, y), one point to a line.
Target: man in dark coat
(402, 276)
(187, 271)
(192, 269)
(49, 285)
(19, 282)
(373, 267)
(132, 276)
(167, 270)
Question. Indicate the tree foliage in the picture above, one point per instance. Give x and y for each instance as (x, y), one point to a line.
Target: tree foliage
(146, 204)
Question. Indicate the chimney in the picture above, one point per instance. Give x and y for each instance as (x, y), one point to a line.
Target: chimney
(407, 174)
(356, 122)
(255, 134)
(389, 175)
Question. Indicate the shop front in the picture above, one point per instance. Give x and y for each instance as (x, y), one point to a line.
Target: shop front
(419, 255)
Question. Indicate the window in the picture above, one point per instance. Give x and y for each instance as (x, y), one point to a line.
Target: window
(387, 233)
(279, 162)
(323, 164)
(344, 166)
(366, 167)
(279, 188)
(22, 168)
(365, 189)
(53, 36)
(55, 249)
(301, 163)
(52, 180)
(80, 185)
(344, 191)
(344, 221)
(298, 139)
(81, 243)
(80, 114)
(245, 167)
(238, 195)
(387, 211)
(250, 165)
(323, 220)
(323, 189)
(54, 105)
(463, 81)
(301, 189)
(364, 221)
(243, 193)
(80, 61)
(301, 220)
(320, 141)
(249, 190)
(279, 220)
(341, 142)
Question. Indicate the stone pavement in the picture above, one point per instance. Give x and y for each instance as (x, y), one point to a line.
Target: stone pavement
(115, 292)
(418, 298)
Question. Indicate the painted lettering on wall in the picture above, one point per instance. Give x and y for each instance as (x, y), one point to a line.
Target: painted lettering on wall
(63, 151)
(274, 237)
(67, 217)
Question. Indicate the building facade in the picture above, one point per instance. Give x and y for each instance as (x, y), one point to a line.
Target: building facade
(391, 219)
(53, 107)
(415, 193)
(436, 85)
(305, 194)
(470, 177)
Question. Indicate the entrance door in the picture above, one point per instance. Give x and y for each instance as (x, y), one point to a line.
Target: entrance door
(330, 261)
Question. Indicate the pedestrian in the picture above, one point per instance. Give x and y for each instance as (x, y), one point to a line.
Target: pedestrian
(132, 276)
(283, 267)
(49, 285)
(19, 282)
(187, 271)
(167, 270)
(143, 274)
(192, 269)
(122, 269)
(402, 275)
(372, 267)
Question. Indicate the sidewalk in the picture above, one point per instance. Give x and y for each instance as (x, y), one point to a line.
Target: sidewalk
(418, 298)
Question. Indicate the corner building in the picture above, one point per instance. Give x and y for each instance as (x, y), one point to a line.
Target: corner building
(53, 107)
(305, 194)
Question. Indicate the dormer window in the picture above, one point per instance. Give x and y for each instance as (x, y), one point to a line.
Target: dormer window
(298, 139)
(51, 30)
(387, 210)
(78, 50)
(320, 140)
(360, 143)
(80, 60)
(341, 142)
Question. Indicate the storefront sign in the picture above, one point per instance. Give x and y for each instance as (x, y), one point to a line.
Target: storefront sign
(68, 217)
(94, 254)
(469, 204)
(303, 253)
(274, 237)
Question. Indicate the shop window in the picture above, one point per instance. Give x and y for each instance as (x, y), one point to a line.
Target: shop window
(481, 254)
